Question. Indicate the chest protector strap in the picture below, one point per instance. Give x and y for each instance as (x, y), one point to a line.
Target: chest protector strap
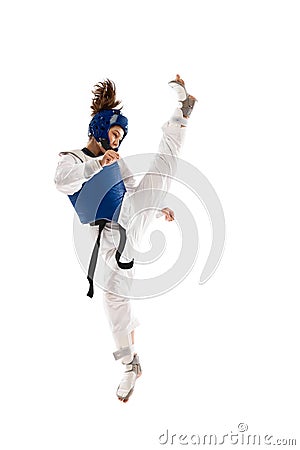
(93, 261)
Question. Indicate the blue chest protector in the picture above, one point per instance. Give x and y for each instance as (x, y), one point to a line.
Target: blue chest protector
(97, 202)
(101, 196)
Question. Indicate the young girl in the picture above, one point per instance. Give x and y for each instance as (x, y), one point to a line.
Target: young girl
(101, 187)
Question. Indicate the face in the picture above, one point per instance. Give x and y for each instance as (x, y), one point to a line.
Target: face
(115, 135)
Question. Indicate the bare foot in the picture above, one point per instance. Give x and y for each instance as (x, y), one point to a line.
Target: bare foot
(179, 80)
(186, 99)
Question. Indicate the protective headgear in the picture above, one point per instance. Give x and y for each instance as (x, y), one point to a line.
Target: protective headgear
(103, 121)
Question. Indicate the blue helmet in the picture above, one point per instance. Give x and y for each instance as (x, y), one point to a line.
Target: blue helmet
(103, 121)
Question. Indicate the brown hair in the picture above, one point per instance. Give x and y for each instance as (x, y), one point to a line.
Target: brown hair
(104, 96)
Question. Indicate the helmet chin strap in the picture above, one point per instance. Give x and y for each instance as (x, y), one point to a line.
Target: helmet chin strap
(106, 145)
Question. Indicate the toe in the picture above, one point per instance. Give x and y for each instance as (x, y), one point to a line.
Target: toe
(179, 79)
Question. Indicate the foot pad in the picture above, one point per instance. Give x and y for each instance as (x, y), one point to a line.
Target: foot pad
(132, 372)
(187, 101)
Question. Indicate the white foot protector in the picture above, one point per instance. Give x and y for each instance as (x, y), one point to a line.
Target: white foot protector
(179, 89)
(187, 101)
(132, 372)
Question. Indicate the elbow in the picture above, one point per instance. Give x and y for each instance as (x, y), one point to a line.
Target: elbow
(63, 188)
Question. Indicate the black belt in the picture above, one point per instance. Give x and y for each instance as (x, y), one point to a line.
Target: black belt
(93, 261)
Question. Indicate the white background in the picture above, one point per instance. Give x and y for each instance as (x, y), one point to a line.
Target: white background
(213, 355)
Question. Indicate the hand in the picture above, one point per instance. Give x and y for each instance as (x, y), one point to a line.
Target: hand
(109, 157)
(169, 214)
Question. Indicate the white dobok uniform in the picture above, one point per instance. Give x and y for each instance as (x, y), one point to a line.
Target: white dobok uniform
(70, 175)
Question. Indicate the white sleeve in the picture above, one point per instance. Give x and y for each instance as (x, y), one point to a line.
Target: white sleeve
(71, 173)
(129, 180)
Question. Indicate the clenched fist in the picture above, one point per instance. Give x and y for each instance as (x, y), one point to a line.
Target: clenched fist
(109, 157)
